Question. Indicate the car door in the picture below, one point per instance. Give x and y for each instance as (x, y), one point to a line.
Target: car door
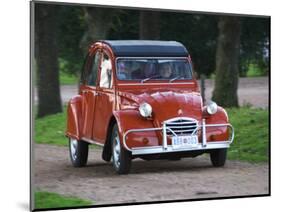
(104, 100)
(89, 92)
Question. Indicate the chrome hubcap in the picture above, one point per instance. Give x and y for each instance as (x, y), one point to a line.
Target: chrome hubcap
(116, 151)
(73, 148)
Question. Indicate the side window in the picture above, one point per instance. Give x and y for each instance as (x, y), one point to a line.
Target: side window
(92, 76)
(106, 72)
(85, 69)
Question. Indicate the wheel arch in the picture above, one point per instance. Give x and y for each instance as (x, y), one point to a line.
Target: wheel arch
(74, 117)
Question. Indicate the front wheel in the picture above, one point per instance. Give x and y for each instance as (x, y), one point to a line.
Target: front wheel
(218, 157)
(121, 158)
(78, 152)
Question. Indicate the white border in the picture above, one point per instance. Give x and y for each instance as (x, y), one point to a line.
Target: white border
(14, 155)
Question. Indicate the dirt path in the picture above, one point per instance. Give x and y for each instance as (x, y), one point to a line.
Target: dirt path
(188, 178)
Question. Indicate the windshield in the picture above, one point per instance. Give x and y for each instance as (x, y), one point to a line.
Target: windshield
(153, 69)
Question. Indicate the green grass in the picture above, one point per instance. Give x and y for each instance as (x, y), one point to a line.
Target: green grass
(68, 79)
(65, 76)
(64, 79)
(51, 129)
(251, 140)
(53, 200)
(255, 71)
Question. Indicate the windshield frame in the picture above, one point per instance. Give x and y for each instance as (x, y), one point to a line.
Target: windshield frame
(137, 81)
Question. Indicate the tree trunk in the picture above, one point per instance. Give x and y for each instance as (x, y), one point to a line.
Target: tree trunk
(99, 21)
(47, 60)
(149, 25)
(227, 56)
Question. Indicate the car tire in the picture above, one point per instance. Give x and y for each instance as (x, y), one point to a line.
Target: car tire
(121, 158)
(218, 157)
(78, 150)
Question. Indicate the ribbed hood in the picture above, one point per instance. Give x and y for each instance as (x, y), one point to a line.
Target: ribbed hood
(167, 104)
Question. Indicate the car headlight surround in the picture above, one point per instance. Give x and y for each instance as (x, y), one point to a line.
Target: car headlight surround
(212, 107)
(145, 110)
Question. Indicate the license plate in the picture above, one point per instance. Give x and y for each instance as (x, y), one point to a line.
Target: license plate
(184, 141)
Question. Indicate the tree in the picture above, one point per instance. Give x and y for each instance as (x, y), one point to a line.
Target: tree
(99, 21)
(125, 26)
(47, 60)
(71, 28)
(197, 32)
(149, 22)
(254, 44)
(227, 61)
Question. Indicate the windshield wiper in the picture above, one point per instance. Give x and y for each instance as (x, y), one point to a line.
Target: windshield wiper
(171, 80)
(149, 78)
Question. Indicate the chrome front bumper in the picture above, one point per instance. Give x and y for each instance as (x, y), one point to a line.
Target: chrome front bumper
(165, 148)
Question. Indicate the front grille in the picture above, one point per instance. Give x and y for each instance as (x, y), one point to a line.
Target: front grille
(181, 126)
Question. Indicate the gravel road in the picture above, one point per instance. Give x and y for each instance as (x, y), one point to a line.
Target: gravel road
(253, 91)
(189, 178)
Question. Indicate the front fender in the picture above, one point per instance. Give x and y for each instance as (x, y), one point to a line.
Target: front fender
(74, 117)
(131, 119)
(217, 133)
(220, 117)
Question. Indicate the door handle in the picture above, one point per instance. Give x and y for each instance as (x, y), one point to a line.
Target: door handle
(96, 93)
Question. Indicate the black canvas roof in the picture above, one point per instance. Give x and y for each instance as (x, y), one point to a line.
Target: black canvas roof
(147, 48)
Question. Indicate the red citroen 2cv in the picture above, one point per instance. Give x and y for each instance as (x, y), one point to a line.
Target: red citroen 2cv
(140, 99)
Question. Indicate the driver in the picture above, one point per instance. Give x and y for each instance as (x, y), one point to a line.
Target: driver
(165, 70)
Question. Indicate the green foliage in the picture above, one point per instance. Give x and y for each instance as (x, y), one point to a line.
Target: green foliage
(125, 26)
(66, 77)
(54, 200)
(251, 142)
(71, 30)
(254, 43)
(198, 32)
(255, 71)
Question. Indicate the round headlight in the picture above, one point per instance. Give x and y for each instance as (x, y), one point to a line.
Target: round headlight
(212, 107)
(145, 110)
